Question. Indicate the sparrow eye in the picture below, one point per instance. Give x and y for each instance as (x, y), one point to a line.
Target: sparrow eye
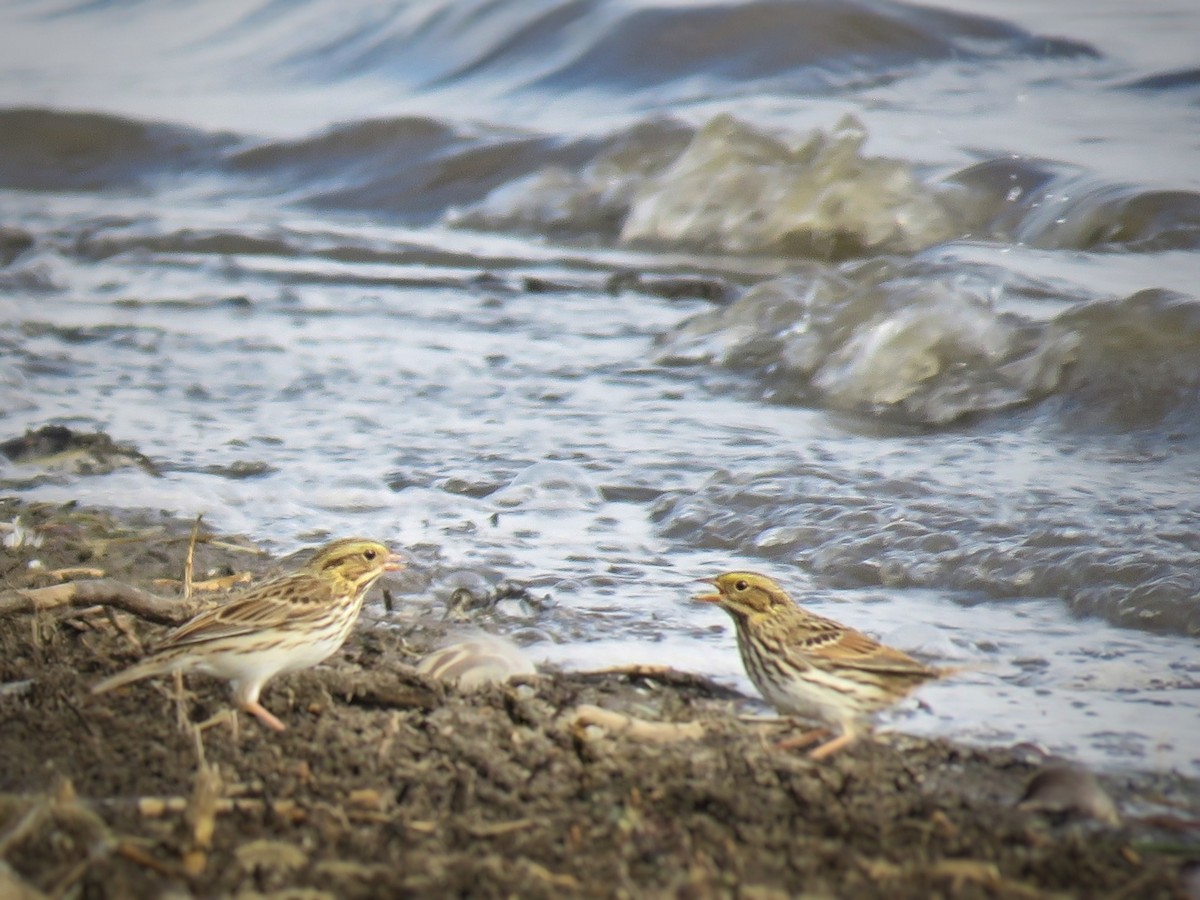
(369, 554)
(741, 586)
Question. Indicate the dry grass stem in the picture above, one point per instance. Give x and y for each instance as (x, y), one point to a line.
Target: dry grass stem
(189, 563)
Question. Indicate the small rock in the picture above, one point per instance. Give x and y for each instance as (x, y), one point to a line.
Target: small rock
(1068, 790)
(58, 448)
(477, 662)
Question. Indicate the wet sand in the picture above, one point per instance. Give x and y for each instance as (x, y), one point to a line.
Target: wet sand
(386, 784)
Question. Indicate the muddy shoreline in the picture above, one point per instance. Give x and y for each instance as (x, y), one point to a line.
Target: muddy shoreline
(386, 784)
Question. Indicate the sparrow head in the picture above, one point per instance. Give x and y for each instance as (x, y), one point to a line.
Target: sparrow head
(355, 562)
(746, 594)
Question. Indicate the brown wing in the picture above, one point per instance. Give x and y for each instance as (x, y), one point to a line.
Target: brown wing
(292, 598)
(855, 649)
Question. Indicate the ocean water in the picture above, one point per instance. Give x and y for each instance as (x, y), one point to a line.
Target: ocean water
(894, 303)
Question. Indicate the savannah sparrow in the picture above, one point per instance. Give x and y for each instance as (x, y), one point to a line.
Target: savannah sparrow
(285, 625)
(808, 666)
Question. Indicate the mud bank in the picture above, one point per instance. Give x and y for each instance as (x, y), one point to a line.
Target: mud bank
(386, 784)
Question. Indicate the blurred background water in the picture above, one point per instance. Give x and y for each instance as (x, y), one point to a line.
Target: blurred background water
(895, 303)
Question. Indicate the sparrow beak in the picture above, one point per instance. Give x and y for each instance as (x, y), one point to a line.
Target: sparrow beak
(395, 562)
(709, 598)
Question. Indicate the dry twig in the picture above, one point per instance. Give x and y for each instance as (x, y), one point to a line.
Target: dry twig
(104, 592)
(637, 729)
(135, 854)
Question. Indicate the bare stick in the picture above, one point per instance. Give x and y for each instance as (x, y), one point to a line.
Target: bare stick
(135, 854)
(102, 591)
(634, 728)
(663, 675)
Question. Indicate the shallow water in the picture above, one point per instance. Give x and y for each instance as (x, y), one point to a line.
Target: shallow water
(894, 303)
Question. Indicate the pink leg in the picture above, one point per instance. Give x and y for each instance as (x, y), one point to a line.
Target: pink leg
(258, 710)
(829, 748)
(803, 739)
